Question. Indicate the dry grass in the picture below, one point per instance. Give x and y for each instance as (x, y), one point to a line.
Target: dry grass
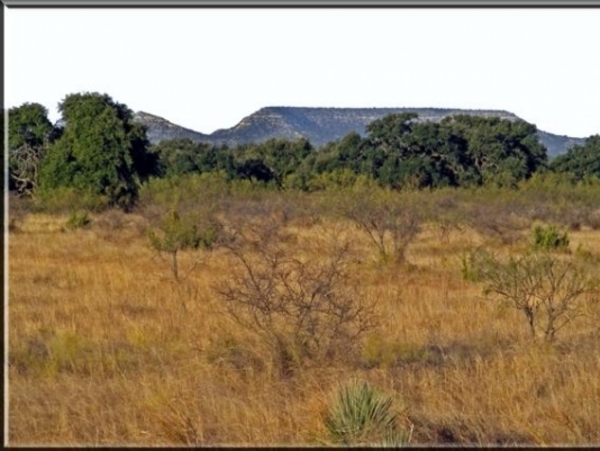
(106, 349)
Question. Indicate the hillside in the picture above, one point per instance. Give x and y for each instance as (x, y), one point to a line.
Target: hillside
(160, 129)
(321, 125)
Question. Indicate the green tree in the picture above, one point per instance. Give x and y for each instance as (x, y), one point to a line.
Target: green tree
(176, 157)
(500, 151)
(29, 134)
(101, 151)
(580, 161)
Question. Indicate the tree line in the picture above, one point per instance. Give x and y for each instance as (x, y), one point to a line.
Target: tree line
(97, 148)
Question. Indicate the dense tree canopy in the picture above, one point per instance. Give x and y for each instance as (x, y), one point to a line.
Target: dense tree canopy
(28, 124)
(102, 151)
(580, 161)
(500, 150)
(399, 150)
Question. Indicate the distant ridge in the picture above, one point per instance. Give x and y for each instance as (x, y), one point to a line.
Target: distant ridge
(322, 125)
(160, 129)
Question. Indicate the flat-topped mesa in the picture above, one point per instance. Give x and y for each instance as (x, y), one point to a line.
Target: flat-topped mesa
(321, 125)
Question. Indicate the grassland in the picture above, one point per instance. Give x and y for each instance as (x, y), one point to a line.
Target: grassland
(106, 348)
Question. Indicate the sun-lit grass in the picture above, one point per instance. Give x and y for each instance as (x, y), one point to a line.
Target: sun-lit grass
(106, 348)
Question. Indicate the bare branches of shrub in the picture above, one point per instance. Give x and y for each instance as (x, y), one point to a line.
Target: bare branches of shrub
(390, 220)
(304, 305)
(25, 168)
(549, 291)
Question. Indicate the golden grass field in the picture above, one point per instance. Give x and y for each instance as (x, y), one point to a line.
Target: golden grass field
(107, 349)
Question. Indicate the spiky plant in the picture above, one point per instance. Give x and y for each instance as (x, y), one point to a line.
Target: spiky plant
(361, 415)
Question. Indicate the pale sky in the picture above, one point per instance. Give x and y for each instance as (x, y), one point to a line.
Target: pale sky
(207, 69)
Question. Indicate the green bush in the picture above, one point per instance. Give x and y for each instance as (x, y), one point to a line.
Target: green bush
(78, 219)
(549, 238)
(361, 415)
(472, 262)
(178, 234)
(63, 200)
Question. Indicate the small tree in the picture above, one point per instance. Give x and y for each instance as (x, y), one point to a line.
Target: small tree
(547, 290)
(176, 235)
(101, 151)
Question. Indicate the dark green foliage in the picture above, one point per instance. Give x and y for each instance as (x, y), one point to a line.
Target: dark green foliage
(29, 135)
(28, 124)
(580, 161)
(182, 156)
(255, 169)
(549, 238)
(400, 151)
(104, 152)
(101, 150)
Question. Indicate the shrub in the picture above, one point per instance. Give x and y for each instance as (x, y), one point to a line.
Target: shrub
(593, 219)
(361, 415)
(304, 310)
(177, 234)
(548, 291)
(389, 219)
(78, 219)
(549, 238)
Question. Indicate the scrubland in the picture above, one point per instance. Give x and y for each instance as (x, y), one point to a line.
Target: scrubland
(107, 347)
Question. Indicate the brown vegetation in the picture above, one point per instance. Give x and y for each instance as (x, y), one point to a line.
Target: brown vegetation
(107, 348)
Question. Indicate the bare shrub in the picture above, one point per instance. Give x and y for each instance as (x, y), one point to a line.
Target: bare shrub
(305, 309)
(549, 291)
(25, 171)
(498, 221)
(593, 219)
(18, 209)
(390, 220)
(111, 220)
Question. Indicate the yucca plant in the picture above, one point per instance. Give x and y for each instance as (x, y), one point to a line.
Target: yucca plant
(360, 415)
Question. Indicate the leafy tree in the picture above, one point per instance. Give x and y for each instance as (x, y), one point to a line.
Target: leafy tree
(255, 169)
(345, 153)
(281, 156)
(101, 150)
(176, 157)
(500, 151)
(580, 161)
(29, 134)
(28, 124)
(390, 131)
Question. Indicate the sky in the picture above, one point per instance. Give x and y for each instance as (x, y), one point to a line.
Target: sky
(207, 69)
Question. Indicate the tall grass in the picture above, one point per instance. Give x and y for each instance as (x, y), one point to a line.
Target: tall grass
(105, 348)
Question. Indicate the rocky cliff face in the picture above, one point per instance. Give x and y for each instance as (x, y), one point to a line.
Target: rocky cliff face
(160, 129)
(322, 125)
